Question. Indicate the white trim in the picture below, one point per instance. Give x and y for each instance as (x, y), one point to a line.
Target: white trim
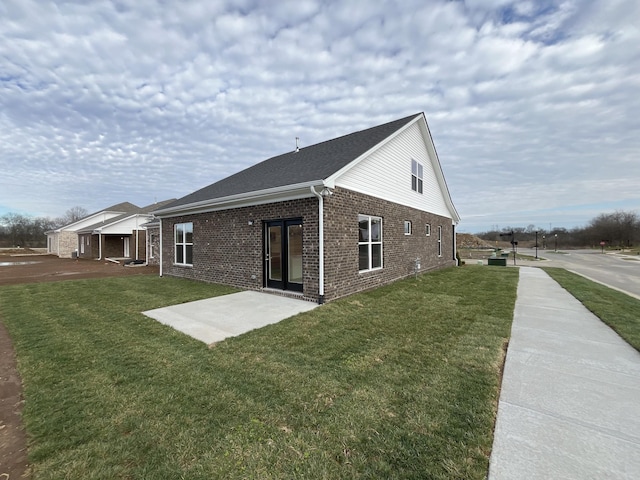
(369, 243)
(320, 244)
(160, 232)
(330, 180)
(259, 197)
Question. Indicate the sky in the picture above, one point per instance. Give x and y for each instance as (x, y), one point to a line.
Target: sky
(533, 106)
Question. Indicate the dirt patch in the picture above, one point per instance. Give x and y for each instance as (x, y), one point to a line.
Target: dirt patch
(47, 268)
(15, 269)
(13, 440)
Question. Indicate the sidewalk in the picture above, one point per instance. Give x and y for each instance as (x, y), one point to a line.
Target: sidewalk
(570, 401)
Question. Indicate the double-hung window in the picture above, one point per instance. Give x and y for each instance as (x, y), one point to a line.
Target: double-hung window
(416, 176)
(369, 242)
(439, 241)
(184, 243)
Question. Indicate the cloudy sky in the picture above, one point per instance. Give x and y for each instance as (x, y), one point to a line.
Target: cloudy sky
(534, 106)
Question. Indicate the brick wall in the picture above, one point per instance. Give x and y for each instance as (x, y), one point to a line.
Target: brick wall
(228, 249)
(68, 243)
(86, 239)
(399, 250)
(153, 244)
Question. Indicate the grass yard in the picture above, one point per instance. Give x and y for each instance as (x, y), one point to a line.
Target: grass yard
(618, 310)
(399, 382)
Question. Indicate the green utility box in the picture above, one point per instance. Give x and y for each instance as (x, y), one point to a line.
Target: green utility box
(502, 262)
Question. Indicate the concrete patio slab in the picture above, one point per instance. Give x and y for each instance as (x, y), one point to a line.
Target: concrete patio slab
(214, 319)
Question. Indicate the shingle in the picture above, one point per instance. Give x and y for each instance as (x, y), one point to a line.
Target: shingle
(316, 162)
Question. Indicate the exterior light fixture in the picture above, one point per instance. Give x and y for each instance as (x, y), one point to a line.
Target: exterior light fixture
(326, 192)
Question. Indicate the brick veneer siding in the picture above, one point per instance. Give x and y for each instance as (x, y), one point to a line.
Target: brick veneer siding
(399, 250)
(153, 244)
(68, 243)
(90, 246)
(227, 250)
(142, 244)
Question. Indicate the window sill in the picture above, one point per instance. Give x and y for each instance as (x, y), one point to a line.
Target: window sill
(183, 265)
(373, 270)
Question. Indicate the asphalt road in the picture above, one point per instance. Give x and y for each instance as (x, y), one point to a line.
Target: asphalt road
(618, 271)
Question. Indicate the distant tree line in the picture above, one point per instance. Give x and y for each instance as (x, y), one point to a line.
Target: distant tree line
(617, 229)
(18, 230)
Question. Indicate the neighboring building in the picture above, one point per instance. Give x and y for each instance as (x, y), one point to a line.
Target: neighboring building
(64, 242)
(107, 234)
(153, 242)
(323, 221)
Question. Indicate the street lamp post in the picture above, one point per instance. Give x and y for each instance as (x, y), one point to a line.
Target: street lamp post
(536, 244)
(556, 235)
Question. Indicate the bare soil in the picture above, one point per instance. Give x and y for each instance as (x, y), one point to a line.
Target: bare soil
(21, 268)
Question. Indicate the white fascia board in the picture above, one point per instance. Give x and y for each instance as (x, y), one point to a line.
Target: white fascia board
(331, 180)
(426, 133)
(112, 228)
(259, 197)
(89, 220)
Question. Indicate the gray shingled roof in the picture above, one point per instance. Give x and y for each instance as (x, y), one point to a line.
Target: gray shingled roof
(316, 162)
(131, 210)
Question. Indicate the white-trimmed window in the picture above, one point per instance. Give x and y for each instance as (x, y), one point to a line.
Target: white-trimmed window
(369, 242)
(407, 227)
(427, 230)
(416, 176)
(439, 240)
(184, 243)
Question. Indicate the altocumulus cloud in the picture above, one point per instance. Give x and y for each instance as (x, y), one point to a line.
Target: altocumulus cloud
(532, 104)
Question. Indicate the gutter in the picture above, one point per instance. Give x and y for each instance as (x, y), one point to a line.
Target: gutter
(285, 192)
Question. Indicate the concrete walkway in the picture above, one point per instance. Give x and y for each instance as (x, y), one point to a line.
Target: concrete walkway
(570, 401)
(214, 319)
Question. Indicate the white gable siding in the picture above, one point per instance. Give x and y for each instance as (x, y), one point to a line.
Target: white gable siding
(386, 174)
(88, 221)
(126, 226)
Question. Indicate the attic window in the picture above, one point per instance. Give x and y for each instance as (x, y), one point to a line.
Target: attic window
(416, 176)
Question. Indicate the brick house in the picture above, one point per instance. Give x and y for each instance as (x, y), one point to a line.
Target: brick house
(64, 241)
(115, 232)
(121, 237)
(321, 222)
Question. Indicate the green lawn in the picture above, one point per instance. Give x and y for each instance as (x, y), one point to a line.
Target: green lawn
(618, 310)
(398, 382)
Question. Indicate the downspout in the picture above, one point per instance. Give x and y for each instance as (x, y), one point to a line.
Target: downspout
(320, 245)
(160, 247)
(99, 245)
(137, 241)
(455, 244)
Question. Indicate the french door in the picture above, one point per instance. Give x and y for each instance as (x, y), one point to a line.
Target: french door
(283, 254)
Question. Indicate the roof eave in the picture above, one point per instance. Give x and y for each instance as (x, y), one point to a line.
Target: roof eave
(258, 197)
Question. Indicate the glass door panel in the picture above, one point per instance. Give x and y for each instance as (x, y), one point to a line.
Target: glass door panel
(274, 253)
(294, 253)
